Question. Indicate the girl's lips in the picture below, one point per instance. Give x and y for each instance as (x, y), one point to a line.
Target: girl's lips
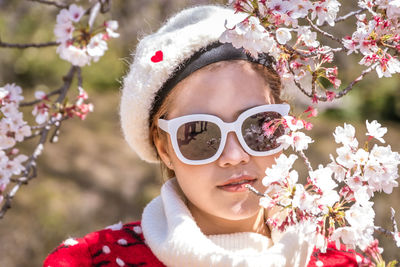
(237, 184)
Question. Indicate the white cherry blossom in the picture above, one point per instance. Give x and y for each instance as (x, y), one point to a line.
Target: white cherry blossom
(376, 131)
(297, 140)
(325, 11)
(322, 178)
(283, 35)
(111, 27)
(97, 46)
(73, 54)
(250, 35)
(309, 37)
(346, 135)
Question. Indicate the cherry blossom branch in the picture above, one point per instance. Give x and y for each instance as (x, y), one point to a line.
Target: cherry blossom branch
(105, 6)
(307, 162)
(255, 191)
(33, 102)
(324, 33)
(358, 79)
(341, 93)
(52, 3)
(393, 212)
(30, 170)
(394, 223)
(79, 74)
(23, 46)
(348, 15)
(382, 230)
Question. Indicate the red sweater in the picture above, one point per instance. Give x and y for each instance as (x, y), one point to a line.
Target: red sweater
(127, 247)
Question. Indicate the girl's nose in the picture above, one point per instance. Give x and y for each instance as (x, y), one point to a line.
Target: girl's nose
(233, 153)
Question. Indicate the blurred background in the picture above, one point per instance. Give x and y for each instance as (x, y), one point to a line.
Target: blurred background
(91, 179)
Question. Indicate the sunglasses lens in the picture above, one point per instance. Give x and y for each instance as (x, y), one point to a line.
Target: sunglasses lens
(198, 140)
(260, 131)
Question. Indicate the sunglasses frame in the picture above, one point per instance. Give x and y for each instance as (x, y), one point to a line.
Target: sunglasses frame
(172, 126)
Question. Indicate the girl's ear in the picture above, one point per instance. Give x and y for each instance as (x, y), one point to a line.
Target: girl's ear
(164, 151)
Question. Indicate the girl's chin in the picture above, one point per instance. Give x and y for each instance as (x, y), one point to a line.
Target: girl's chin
(235, 213)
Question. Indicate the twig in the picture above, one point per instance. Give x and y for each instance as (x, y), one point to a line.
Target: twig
(255, 191)
(105, 6)
(341, 93)
(350, 14)
(393, 212)
(33, 102)
(301, 153)
(30, 171)
(33, 135)
(67, 83)
(52, 3)
(315, 27)
(359, 78)
(383, 231)
(344, 17)
(79, 74)
(299, 85)
(23, 46)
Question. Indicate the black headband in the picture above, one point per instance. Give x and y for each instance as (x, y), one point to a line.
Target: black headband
(212, 53)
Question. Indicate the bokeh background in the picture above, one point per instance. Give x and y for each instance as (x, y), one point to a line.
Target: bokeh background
(91, 179)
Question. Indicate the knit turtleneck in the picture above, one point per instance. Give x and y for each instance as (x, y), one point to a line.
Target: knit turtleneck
(174, 237)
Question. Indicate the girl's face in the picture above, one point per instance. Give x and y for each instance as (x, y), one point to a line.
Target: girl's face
(224, 92)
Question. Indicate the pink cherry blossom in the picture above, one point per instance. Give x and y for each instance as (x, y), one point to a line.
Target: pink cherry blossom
(75, 12)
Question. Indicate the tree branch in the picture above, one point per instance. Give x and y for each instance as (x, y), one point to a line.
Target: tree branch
(307, 162)
(30, 171)
(23, 46)
(341, 93)
(33, 102)
(359, 78)
(392, 217)
(383, 231)
(324, 33)
(52, 3)
(350, 14)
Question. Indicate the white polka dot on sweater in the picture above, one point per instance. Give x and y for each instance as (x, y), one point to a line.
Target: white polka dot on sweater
(120, 262)
(122, 242)
(106, 249)
(358, 259)
(70, 242)
(137, 229)
(115, 227)
(319, 263)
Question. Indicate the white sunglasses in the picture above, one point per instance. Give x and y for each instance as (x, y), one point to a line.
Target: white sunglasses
(200, 138)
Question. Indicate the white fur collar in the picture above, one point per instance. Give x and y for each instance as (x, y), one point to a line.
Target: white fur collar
(174, 237)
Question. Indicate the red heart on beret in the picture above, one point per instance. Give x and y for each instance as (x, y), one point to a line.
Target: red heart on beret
(158, 56)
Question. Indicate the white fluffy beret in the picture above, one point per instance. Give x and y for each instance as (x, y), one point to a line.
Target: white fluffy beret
(179, 38)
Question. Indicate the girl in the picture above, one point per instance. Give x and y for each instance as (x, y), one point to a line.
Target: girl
(197, 106)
